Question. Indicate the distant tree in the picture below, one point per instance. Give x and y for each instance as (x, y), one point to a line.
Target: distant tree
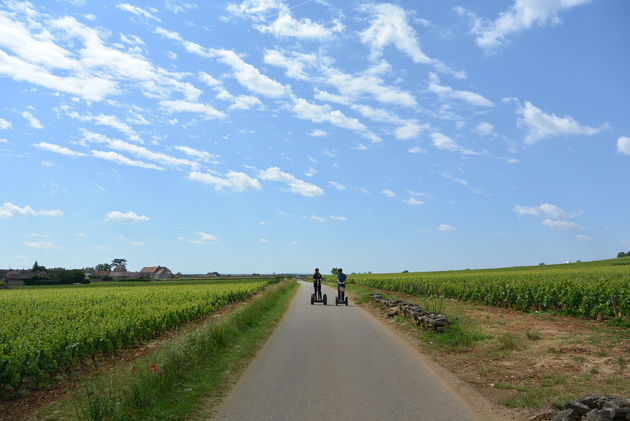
(541, 264)
(74, 276)
(405, 271)
(620, 254)
(38, 268)
(334, 271)
(119, 265)
(103, 267)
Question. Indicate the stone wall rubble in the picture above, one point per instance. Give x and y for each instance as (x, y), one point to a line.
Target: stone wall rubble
(426, 319)
(595, 408)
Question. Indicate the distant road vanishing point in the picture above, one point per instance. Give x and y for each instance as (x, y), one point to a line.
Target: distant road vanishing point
(326, 362)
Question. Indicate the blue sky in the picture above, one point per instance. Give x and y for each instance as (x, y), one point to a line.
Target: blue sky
(272, 135)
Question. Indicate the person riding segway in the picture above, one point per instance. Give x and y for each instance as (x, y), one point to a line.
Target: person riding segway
(316, 297)
(341, 288)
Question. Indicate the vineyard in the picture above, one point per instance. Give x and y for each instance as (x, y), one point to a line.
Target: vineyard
(597, 290)
(48, 330)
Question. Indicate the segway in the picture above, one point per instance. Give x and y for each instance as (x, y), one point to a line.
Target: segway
(338, 300)
(321, 299)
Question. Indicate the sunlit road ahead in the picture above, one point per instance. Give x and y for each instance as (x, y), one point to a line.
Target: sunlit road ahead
(327, 362)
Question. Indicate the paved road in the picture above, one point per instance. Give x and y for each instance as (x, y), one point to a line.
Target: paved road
(325, 363)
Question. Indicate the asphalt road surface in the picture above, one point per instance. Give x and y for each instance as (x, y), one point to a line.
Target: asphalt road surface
(326, 362)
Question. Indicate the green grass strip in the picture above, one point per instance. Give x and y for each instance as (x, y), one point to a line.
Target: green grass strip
(188, 375)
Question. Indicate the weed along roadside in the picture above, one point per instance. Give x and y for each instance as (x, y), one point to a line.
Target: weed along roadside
(194, 369)
(527, 363)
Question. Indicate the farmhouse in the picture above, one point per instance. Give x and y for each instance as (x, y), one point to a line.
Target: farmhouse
(157, 272)
(17, 278)
(122, 276)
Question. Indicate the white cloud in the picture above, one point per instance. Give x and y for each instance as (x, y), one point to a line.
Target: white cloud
(446, 228)
(287, 26)
(45, 245)
(284, 25)
(111, 121)
(413, 201)
(32, 120)
(339, 218)
(366, 83)
(388, 193)
(443, 142)
(295, 185)
(317, 218)
(294, 243)
(9, 210)
(310, 172)
(337, 185)
(523, 14)
(196, 154)
(446, 92)
(318, 133)
(139, 151)
(208, 80)
(408, 131)
(264, 240)
(137, 11)
(32, 52)
(324, 113)
(541, 125)
(202, 238)
(241, 102)
(180, 106)
(561, 225)
(294, 67)
(177, 6)
(249, 76)
(458, 180)
(37, 235)
(57, 149)
(583, 238)
(417, 149)
(326, 96)
(623, 145)
(484, 129)
(123, 160)
(331, 154)
(235, 180)
(126, 217)
(389, 26)
(5, 125)
(546, 209)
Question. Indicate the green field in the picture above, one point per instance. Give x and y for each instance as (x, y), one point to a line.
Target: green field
(45, 330)
(598, 289)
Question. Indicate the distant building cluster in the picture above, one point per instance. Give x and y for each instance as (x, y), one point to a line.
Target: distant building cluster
(34, 277)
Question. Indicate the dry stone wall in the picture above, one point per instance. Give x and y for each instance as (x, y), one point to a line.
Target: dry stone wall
(426, 319)
(595, 408)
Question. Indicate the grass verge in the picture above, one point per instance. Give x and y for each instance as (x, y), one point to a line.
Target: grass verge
(176, 380)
